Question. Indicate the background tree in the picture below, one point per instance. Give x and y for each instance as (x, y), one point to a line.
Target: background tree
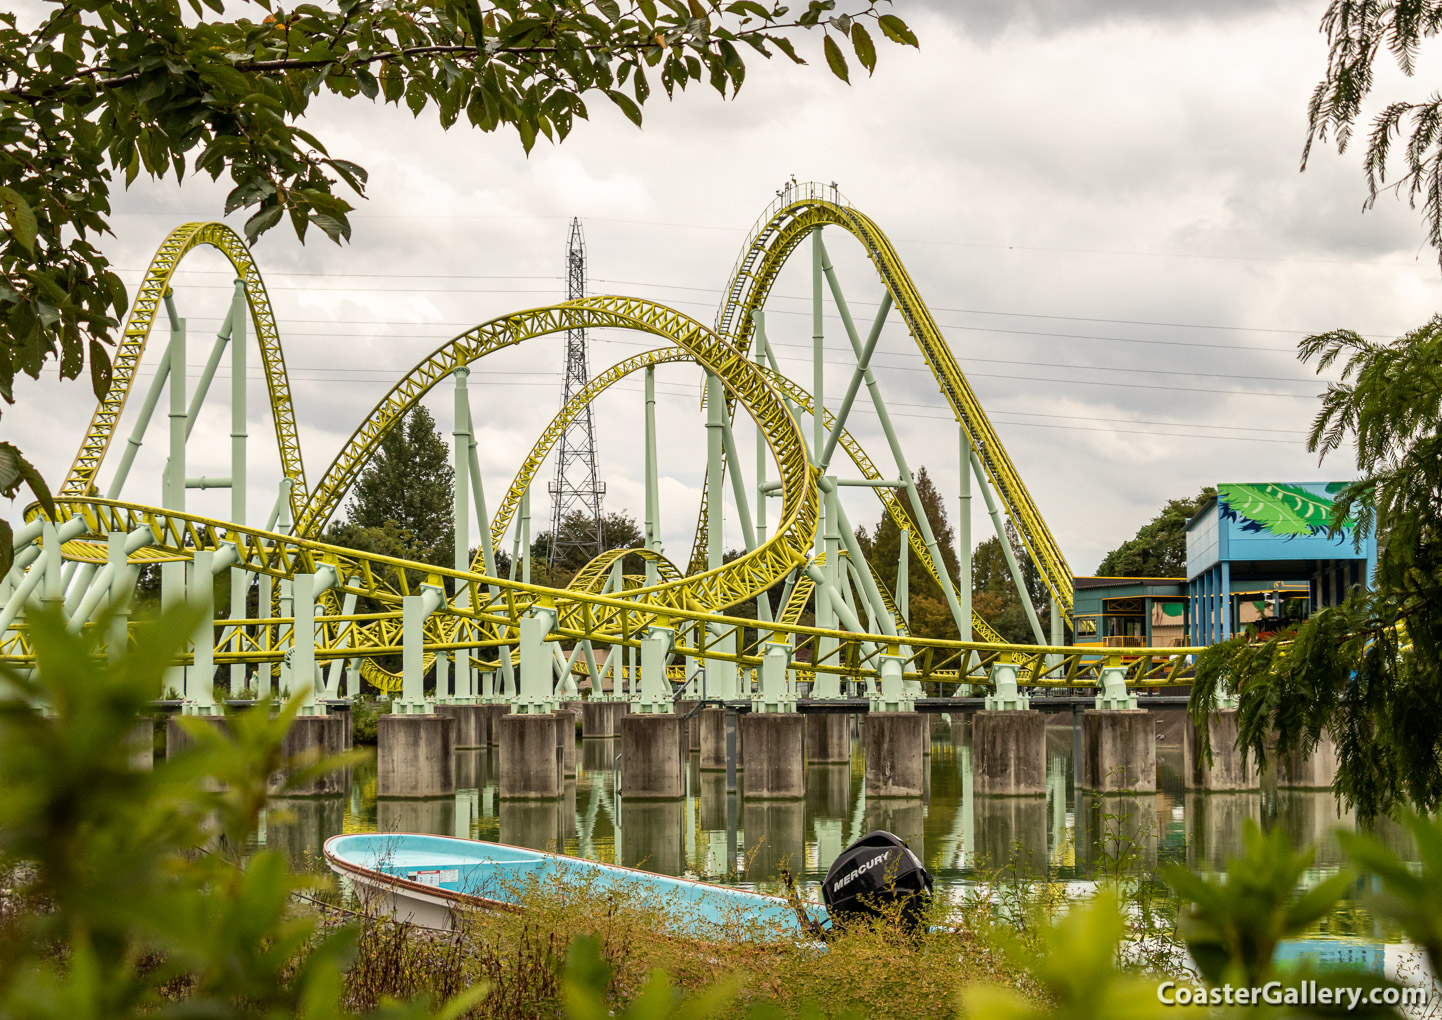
(1159, 548)
(993, 592)
(930, 615)
(99, 87)
(403, 503)
(618, 531)
(1369, 671)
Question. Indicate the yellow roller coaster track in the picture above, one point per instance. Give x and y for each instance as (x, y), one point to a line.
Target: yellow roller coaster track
(612, 619)
(771, 244)
(148, 300)
(483, 614)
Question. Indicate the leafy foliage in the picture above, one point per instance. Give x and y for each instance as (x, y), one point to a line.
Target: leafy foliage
(95, 89)
(1356, 31)
(1236, 921)
(1159, 548)
(1077, 972)
(1368, 671)
(136, 913)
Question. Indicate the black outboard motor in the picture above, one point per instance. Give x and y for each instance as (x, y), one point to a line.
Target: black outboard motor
(871, 876)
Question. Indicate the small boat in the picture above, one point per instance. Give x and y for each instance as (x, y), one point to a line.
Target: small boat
(431, 880)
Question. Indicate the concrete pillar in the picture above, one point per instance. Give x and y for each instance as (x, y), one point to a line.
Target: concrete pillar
(530, 765)
(691, 735)
(176, 737)
(493, 716)
(309, 738)
(602, 718)
(776, 764)
(895, 766)
(470, 723)
(1008, 754)
(651, 766)
(712, 724)
(1315, 771)
(1226, 771)
(828, 736)
(1118, 751)
(414, 756)
(566, 740)
(141, 742)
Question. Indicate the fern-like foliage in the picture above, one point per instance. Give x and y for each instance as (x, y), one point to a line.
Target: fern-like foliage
(1368, 672)
(1356, 31)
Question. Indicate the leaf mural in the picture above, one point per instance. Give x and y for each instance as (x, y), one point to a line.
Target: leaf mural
(1281, 509)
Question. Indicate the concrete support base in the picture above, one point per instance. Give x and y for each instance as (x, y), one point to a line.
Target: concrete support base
(470, 727)
(1315, 771)
(566, 740)
(1226, 771)
(177, 739)
(141, 742)
(895, 766)
(828, 737)
(691, 731)
(491, 722)
(415, 756)
(530, 765)
(712, 724)
(1008, 753)
(602, 718)
(309, 738)
(1118, 751)
(776, 767)
(651, 764)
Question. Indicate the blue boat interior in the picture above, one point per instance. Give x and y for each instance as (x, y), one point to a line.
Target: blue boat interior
(509, 874)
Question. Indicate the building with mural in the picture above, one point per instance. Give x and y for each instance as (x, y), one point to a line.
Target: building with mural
(1258, 553)
(1260, 546)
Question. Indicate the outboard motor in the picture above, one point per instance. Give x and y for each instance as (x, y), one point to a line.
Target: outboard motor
(874, 874)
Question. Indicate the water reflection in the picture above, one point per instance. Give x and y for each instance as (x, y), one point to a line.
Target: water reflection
(1213, 825)
(721, 836)
(775, 838)
(1010, 834)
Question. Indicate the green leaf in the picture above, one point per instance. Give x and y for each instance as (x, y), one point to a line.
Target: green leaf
(100, 369)
(19, 218)
(864, 47)
(630, 109)
(835, 60)
(895, 29)
(14, 469)
(262, 221)
(1279, 508)
(7, 547)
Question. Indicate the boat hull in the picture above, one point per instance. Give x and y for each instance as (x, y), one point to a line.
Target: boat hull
(434, 880)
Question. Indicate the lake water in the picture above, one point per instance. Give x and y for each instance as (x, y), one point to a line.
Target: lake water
(1067, 835)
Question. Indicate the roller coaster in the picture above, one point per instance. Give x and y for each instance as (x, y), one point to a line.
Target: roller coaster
(646, 637)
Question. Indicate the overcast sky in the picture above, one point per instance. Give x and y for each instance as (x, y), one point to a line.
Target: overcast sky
(1100, 202)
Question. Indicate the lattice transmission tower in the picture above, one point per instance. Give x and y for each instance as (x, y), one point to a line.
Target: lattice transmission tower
(576, 487)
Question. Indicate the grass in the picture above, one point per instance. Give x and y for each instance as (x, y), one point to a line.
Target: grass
(872, 969)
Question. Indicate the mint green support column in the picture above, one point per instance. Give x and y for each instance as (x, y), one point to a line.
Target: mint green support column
(414, 611)
(655, 690)
(536, 694)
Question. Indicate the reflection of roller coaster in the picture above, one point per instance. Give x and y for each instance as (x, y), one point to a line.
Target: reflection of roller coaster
(489, 637)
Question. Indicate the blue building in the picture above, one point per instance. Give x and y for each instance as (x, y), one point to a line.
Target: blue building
(1256, 545)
